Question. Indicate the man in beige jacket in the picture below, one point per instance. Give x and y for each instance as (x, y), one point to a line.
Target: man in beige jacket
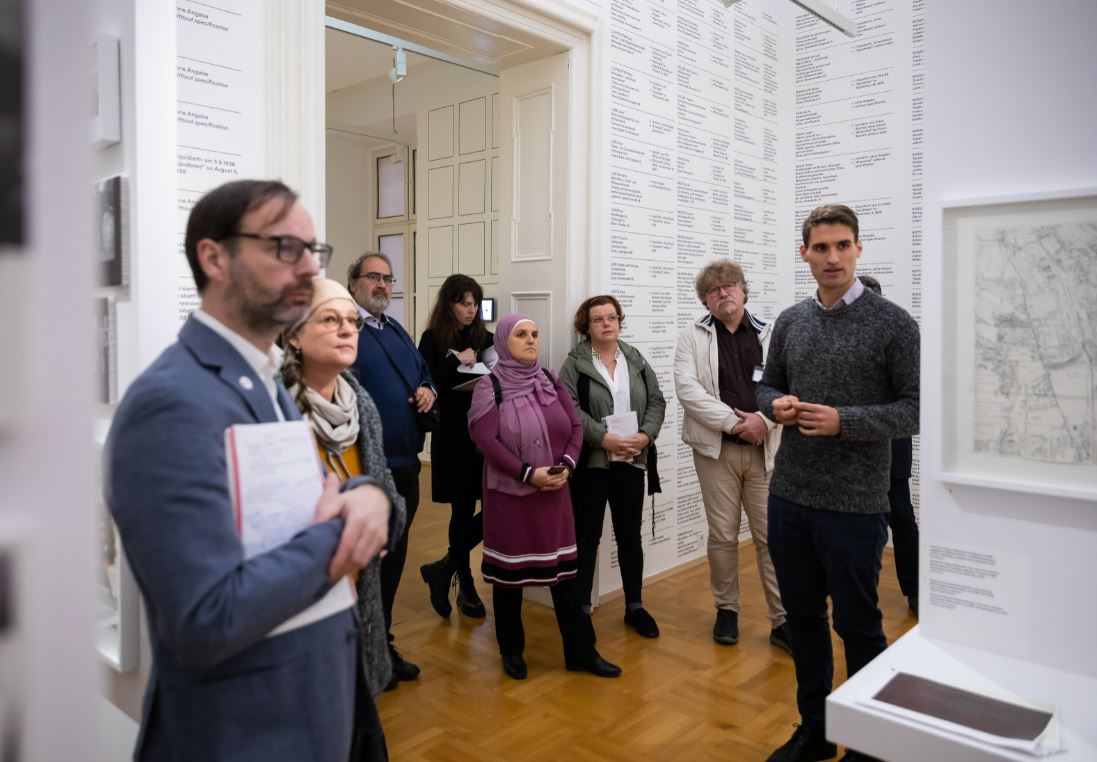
(717, 365)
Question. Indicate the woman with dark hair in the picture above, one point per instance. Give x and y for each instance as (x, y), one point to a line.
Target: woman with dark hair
(524, 423)
(455, 341)
(347, 428)
(621, 409)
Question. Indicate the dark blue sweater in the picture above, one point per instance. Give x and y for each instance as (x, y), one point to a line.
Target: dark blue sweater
(389, 387)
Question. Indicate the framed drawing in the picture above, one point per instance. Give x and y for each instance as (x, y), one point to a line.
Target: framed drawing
(1019, 358)
(112, 231)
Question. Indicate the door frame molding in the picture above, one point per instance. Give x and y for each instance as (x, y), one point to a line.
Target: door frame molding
(296, 131)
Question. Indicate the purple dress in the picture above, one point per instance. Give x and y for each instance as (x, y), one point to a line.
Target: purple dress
(529, 540)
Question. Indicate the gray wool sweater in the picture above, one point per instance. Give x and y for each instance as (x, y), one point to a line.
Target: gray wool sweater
(863, 359)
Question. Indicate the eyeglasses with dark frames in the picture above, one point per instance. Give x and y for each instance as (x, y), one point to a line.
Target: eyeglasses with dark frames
(726, 287)
(289, 248)
(378, 277)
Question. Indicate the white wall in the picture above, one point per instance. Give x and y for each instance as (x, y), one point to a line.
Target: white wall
(1011, 104)
(348, 201)
(45, 447)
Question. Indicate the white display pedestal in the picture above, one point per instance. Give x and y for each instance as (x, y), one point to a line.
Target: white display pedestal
(899, 740)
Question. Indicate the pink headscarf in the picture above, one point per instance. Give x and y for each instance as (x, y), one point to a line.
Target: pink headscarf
(522, 429)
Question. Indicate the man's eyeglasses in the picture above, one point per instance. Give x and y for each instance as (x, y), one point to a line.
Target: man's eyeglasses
(289, 248)
(725, 288)
(605, 320)
(330, 322)
(378, 277)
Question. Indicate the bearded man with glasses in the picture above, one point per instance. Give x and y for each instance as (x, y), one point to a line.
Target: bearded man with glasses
(717, 365)
(227, 681)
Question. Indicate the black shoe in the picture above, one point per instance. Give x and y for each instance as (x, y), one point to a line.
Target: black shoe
(437, 575)
(643, 622)
(392, 683)
(779, 636)
(912, 603)
(726, 629)
(856, 756)
(596, 666)
(515, 666)
(402, 669)
(804, 746)
(468, 601)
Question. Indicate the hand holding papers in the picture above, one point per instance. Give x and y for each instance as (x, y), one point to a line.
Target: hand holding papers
(623, 425)
(275, 481)
(476, 371)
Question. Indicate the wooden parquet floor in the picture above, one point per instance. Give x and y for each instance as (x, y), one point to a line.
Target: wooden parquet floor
(682, 696)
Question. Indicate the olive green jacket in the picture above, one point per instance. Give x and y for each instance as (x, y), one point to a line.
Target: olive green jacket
(649, 405)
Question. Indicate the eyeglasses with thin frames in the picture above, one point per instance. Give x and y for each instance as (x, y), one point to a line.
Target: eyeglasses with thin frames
(378, 277)
(330, 322)
(289, 248)
(605, 320)
(725, 288)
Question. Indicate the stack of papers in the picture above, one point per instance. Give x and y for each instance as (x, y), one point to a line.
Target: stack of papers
(276, 480)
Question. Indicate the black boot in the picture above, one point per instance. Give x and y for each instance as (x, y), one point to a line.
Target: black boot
(437, 575)
(468, 601)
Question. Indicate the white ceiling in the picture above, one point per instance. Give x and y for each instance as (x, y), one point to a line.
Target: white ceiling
(436, 24)
(352, 61)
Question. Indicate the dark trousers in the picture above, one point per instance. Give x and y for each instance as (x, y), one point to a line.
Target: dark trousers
(466, 531)
(623, 486)
(368, 742)
(904, 536)
(576, 629)
(819, 554)
(392, 565)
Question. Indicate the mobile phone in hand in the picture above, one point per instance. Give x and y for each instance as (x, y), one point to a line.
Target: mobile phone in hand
(556, 470)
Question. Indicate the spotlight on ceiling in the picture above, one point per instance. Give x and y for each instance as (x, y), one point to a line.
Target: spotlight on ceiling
(400, 68)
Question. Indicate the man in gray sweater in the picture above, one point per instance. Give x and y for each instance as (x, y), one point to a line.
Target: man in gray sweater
(842, 377)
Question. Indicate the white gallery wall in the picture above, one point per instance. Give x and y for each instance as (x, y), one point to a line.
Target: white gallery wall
(1011, 102)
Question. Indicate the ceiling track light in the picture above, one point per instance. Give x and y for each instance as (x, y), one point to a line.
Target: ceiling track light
(399, 69)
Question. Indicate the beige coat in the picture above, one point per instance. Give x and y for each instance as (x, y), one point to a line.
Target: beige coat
(697, 384)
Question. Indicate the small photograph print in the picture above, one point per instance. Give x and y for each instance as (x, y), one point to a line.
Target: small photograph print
(110, 230)
(106, 357)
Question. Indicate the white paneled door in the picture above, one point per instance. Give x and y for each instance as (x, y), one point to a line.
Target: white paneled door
(533, 256)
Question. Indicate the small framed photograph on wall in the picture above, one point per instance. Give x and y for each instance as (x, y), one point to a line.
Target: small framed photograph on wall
(111, 230)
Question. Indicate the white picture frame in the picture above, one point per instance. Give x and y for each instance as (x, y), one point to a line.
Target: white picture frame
(1019, 404)
(118, 612)
(106, 120)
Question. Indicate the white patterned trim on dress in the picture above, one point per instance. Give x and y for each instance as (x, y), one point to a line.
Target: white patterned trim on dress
(530, 557)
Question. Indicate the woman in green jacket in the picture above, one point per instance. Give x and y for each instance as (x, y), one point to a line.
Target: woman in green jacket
(621, 408)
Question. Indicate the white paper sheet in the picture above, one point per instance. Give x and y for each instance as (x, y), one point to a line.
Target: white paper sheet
(276, 480)
(623, 424)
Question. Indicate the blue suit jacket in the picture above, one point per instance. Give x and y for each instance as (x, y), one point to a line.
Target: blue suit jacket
(219, 689)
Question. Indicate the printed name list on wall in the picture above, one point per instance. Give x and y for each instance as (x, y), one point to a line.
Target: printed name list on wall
(221, 108)
(695, 174)
(726, 127)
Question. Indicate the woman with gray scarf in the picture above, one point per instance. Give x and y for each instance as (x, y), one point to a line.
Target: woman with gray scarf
(347, 427)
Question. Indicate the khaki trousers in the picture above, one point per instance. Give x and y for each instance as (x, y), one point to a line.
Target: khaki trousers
(730, 483)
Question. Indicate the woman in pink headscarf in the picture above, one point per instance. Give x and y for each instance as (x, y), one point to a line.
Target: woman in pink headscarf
(523, 421)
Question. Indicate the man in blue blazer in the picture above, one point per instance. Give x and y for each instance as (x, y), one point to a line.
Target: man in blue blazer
(221, 687)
